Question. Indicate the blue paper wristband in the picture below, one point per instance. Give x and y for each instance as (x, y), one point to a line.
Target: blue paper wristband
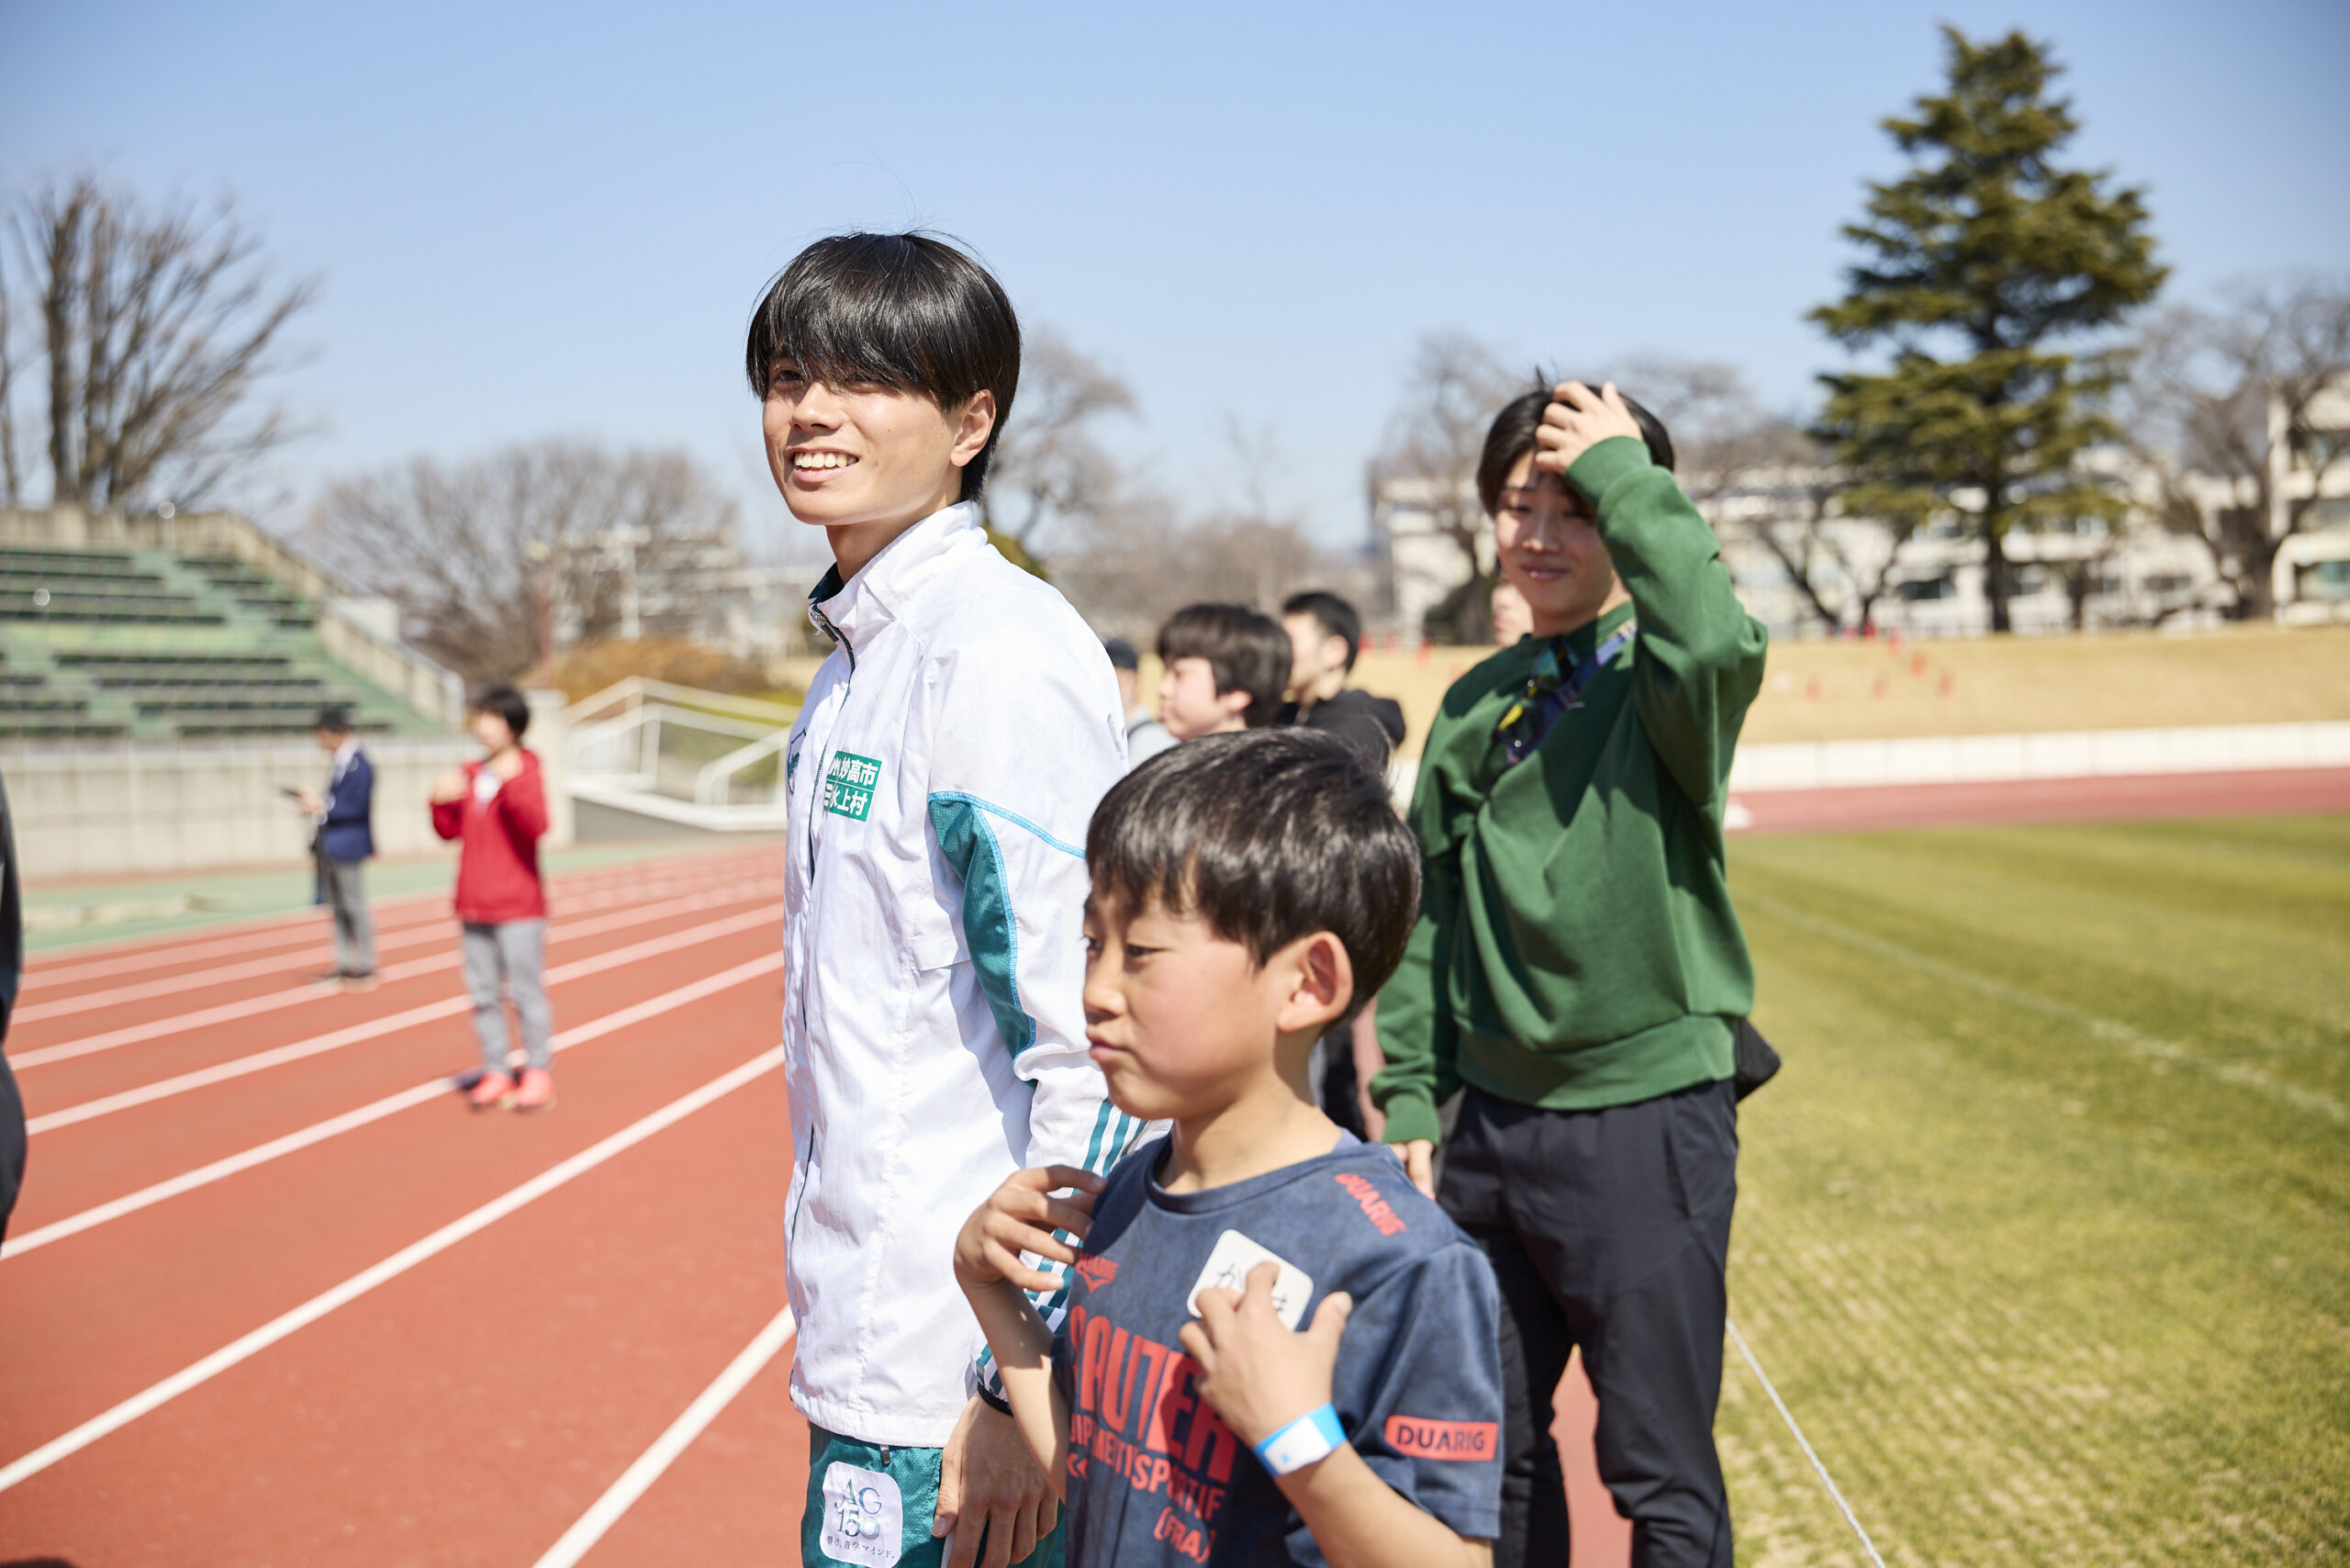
(1313, 1436)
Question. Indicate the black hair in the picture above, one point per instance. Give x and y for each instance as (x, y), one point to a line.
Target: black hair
(1248, 652)
(506, 704)
(334, 719)
(1269, 836)
(1512, 437)
(909, 312)
(1122, 654)
(1334, 615)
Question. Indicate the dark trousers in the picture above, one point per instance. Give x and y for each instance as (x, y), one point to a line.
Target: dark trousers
(1607, 1229)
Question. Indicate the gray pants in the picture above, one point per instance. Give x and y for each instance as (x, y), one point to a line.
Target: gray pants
(512, 952)
(342, 887)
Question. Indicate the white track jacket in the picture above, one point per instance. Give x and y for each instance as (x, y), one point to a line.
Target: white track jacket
(941, 776)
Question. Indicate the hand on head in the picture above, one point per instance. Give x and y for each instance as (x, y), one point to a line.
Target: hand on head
(1578, 420)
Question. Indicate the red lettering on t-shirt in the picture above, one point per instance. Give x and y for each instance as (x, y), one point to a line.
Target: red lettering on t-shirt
(1415, 1436)
(1096, 1272)
(1373, 1206)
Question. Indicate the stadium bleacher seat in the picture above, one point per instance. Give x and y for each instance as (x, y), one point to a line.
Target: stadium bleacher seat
(103, 644)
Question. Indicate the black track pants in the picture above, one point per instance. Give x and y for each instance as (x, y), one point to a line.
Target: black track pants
(1607, 1229)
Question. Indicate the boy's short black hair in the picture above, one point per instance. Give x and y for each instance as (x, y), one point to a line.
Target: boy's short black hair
(909, 312)
(1512, 437)
(1122, 654)
(506, 704)
(1269, 836)
(1334, 615)
(1249, 653)
(334, 719)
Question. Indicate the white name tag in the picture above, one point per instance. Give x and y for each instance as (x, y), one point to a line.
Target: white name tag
(864, 1516)
(1228, 1269)
(485, 786)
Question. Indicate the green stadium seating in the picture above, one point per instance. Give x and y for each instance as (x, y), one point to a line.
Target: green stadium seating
(109, 643)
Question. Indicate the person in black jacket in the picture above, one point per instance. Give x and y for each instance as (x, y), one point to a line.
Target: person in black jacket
(12, 973)
(1325, 635)
(345, 838)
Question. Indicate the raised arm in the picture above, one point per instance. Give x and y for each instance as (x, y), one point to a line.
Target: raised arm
(1699, 664)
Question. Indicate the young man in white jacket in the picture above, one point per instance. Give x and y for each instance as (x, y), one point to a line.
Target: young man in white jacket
(940, 777)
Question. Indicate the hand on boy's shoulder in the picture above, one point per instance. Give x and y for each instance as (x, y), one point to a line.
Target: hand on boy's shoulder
(1578, 420)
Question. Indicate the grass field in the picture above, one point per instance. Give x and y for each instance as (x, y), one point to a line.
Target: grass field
(2044, 1231)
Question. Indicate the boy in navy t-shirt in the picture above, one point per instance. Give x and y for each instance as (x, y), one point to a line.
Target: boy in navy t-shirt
(1276, 1349)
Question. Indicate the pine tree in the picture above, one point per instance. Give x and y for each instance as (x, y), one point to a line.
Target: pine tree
(1978, 259)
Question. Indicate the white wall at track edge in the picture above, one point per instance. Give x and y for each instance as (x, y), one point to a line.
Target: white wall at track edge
(109, 808)
(2081, 753)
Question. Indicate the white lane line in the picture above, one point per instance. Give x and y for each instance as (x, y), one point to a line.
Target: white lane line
(179, 985)
(277, 1001)
(391, 1268)
(131, 955)
(376, 1111)
(1789, 1417)
(638, 1477)
(453, 1006)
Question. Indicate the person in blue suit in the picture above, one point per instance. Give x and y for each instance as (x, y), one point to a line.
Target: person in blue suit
(345, 839)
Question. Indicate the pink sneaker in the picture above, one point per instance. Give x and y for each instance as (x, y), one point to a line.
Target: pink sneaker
(537, 1091)
(489, 1089)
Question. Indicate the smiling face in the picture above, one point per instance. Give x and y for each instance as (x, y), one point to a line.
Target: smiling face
(1188, 703)
(867, 462)
(1551, 551)
(1180, 1021)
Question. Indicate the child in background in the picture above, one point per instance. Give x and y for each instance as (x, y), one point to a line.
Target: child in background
(497, 810)
(1146, 736)
(1225, 668)
(1246, 891)
(1324, 635)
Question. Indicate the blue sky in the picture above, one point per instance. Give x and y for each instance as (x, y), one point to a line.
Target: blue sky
(535, 219)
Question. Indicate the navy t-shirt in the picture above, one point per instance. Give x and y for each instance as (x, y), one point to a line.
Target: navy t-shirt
(1154, 1476)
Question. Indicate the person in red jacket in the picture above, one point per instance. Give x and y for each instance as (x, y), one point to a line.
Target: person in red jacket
(496, 809)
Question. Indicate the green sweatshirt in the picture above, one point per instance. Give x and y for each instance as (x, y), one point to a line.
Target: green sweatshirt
(1576, 946)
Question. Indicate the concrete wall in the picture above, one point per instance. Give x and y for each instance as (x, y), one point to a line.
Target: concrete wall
(133, 808)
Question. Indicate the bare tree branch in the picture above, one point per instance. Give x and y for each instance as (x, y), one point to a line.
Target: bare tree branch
(1050, 474)
(456, 546)
(157, 327)
(2232, 408)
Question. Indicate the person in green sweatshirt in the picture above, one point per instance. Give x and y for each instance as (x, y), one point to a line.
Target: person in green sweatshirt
(1577, 970)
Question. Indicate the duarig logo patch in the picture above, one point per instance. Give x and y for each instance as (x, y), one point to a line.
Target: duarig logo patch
(848, 784)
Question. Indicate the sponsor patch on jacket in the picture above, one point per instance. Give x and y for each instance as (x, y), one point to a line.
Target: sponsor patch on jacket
(1096, 1271)
(1417, 1437)
(848, 784)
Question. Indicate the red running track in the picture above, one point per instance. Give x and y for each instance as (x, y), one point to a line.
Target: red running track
(2120, 797)
(315, 1311)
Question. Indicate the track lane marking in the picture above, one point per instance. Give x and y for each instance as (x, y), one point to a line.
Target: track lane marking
(173, 985)
(242, 1011)
(127, 955)
(196, 1373)
(375, 1111)
(649, 1466)
(454, 1006)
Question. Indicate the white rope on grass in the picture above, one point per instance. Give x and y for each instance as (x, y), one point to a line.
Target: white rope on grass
(1788, 1416)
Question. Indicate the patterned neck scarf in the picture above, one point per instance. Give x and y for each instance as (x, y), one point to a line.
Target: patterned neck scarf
(1551, 690)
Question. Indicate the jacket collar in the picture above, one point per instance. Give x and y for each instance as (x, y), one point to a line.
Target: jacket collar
(852, 611)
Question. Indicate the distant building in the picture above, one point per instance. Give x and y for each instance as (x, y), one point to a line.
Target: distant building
(2137, 576)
